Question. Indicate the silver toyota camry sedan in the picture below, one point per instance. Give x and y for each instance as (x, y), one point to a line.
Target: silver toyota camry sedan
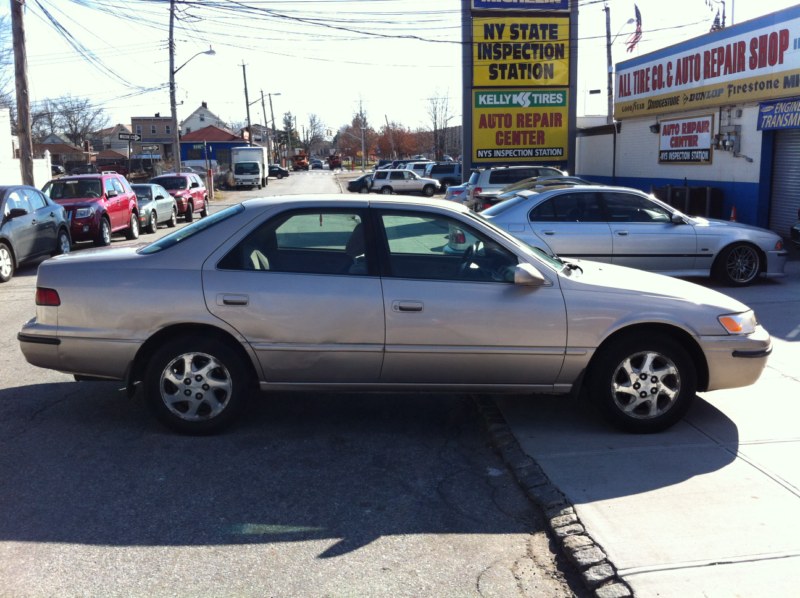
(337, 293)
(625, 226)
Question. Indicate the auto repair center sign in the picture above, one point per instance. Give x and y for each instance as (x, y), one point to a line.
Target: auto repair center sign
(757, 60)
(686, 141)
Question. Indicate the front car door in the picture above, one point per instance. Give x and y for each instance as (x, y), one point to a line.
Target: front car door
(644, 236)
(22, 229)
(302, 288)
(454, 317)
(572, 224)
(45, 221)
(113, 204)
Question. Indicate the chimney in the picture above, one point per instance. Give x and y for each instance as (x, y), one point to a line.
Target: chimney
(158, 115)
(204, 105)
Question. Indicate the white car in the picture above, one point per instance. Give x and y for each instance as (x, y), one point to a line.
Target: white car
(400, 180)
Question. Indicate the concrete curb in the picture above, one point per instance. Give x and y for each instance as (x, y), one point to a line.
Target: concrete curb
(598, 573)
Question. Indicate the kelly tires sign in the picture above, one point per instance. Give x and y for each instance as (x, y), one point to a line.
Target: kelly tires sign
(514, 125)
(686, 141)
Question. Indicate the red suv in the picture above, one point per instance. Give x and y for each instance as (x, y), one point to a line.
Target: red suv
(96, 205)
(189, 192)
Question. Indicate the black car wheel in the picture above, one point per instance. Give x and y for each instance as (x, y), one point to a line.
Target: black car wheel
(63, 244)
(643, 384)
(204, 211)
(104, 234)
(738, 265)
(6, 263)
(364, 189)
(173, 219)
(188, 215)
(152, 223)
(197, 384)
(132, 231)
(386, 190)
(428, 190)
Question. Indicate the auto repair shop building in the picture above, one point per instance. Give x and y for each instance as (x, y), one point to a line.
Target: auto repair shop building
(713, 122)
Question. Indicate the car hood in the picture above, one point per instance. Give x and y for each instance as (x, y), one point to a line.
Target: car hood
(74, 203)
(597, 277)
(712, 224)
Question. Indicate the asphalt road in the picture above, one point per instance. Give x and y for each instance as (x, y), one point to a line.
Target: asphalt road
(312, 495)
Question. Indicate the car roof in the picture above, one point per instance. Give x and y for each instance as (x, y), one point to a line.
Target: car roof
(342, 200)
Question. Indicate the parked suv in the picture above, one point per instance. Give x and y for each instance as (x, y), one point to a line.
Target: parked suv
(398, 180)
(447, 173)
(490, 179)
(189, 192)
(97, 205)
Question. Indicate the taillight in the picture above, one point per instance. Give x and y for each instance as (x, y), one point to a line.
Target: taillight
(47, 297)
(458, 237)
(477, 191)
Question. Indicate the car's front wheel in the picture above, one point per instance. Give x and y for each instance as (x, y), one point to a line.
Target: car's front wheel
(133, 227)
(386, 190)
(738, 265)
(189, 214)
(63, 244)
(204, 211)
(104, 234)
(643, 384)
(152, 223)
(364, 189)
(196, 384)
(6, 263)
(428, 190)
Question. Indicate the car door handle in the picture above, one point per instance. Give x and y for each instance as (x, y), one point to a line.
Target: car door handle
(622, 233)
(407, 306)
(233, 300)
(549, 232)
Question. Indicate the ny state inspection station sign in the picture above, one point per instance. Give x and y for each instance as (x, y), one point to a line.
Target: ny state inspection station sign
(520, 125)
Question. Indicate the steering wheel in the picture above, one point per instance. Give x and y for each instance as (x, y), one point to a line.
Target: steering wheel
(92, 194)
(465, 270)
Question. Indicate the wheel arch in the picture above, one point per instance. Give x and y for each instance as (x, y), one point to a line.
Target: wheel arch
(683, 338)
(137, 370)
(761, 254)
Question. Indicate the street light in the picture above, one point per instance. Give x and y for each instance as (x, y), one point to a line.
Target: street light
(172, 103)
(610, 73)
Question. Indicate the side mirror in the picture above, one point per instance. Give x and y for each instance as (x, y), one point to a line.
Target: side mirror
(195, 185)
(159, 196)
(677, 219)
(16, 213)
(527, 275)
(112, 193)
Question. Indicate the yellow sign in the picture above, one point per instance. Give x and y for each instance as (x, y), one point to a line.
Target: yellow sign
(516, 125)
(518, 51)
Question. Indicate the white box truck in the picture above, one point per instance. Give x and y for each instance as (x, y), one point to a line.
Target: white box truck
(249, 166)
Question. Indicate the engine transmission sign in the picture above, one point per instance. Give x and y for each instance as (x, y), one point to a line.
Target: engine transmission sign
(520, 125)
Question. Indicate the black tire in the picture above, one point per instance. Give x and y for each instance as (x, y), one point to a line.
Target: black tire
(643, 385)
(738, 265)
(152, 222)
(280, 176)
(63, 244)
(173, 219)
(386, 190)
(132, 232)
(7, 265)
(104, 234)
(428, 190)
(363, 190)
(208, 400)
(188, 215)
(204, 211)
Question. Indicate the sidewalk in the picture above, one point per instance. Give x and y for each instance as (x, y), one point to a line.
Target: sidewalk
(708, 508)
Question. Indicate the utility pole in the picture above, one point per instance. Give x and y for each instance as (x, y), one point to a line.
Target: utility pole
(609, 74)
(247, 103)
(391, 137)
(266, 126)
(23, 100)
(173, 104)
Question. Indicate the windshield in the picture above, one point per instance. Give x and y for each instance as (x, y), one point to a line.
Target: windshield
(246, 168)
(73, 189)
(171, 182)
(191, 230)
(501, 207)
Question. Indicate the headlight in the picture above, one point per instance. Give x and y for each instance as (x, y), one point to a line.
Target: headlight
(84, 212)
(743, 323)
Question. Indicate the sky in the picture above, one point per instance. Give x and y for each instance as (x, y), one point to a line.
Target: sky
(324, 57)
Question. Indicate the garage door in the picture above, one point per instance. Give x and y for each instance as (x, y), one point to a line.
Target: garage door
(785, 200)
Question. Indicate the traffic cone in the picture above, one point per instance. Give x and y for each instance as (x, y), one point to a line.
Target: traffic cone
(733, 214)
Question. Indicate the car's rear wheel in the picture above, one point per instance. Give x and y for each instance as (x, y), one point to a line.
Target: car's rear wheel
(132, 231)
(63, 244)
(196, 384)
(189, 214)
(738, 265)
(428, 190)
(173, 219)
(104, 234)
(152, 223)
(386, 190)
(6, 263)
(643, 384)
(363, 190)
(204, 211)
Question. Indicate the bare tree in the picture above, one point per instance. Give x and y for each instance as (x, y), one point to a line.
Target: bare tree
(78, 117)
(439, 113)
(44, 120)
(315, 135)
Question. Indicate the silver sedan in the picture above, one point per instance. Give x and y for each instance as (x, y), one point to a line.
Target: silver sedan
(627, 227)
(336, 293)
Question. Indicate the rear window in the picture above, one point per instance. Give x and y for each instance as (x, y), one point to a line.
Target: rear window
(191, 230)
(473, 178)
(503, 206)
(506, 177)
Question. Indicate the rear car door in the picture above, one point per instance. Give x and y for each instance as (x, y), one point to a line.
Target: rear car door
(302, 288)
(643, 235)
(453, 314)
(573, 224)
(45, 221)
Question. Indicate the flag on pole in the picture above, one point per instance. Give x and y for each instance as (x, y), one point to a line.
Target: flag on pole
(636, 35)
(715, 26)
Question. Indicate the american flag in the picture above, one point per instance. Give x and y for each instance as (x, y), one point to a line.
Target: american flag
(636, 35)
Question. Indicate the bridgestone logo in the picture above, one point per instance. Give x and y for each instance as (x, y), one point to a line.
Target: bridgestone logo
(539, 152)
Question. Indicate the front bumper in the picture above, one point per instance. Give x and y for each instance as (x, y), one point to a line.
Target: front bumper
(736, 361)
(84, 229)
